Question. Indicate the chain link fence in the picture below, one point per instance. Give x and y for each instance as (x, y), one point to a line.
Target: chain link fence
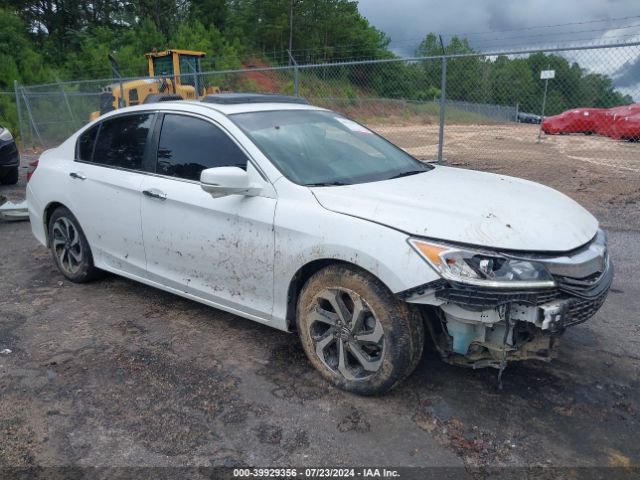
(470, 109)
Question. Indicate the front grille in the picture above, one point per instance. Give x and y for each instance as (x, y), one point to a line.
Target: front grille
(588, 288)
(479, 297)
(581, 310)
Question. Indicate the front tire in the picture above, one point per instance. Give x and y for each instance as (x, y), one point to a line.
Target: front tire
(356, 333)
(69, 247)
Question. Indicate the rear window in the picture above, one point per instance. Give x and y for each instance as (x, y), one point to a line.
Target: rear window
(122, 140)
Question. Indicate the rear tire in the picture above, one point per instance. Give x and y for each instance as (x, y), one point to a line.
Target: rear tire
(356, 333)
(69, 247)
(11, 177)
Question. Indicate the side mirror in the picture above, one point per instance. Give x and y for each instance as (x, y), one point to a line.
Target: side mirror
(223, 181)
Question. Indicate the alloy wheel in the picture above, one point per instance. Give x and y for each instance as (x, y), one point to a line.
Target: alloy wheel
(67, 246)
(347, 336)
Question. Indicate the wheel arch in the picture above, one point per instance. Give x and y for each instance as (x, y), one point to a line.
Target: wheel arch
(303, 274)
(48, 211)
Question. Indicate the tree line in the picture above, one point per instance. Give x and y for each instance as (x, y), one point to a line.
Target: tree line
(515, 80)
(46, 40)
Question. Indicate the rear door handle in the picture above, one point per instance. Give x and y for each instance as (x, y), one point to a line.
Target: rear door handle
(77, 176)
(154, 193)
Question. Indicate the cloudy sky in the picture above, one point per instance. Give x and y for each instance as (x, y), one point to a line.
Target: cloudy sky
(493, 25)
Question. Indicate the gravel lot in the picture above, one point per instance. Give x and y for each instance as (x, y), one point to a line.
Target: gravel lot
(115, 373)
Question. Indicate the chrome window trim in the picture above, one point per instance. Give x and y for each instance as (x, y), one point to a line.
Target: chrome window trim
(98, 125)
(215, 123)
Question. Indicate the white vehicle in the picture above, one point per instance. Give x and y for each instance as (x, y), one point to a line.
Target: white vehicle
(299, 218)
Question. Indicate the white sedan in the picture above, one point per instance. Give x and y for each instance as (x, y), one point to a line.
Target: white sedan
(299, 218)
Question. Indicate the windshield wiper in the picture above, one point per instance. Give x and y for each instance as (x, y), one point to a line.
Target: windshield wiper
(326, 184)
(406, 174)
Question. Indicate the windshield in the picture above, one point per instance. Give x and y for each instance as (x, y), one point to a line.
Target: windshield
(315, 148)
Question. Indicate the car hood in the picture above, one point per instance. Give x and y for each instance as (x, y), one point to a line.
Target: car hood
(469, 207)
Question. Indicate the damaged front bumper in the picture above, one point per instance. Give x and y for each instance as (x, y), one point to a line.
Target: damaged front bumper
(487, 327)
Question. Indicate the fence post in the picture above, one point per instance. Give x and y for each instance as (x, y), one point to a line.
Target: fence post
(544, 103)
(295, 73)
(66, 101)
(443, 92)
(22, 137)
(32, 121)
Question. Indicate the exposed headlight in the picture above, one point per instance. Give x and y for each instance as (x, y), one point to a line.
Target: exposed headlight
(482, 268)
(5, 135)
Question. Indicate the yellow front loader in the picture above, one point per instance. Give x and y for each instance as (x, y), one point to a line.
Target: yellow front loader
(173, 75)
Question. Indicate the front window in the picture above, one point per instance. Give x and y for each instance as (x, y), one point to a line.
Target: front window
(323, 148)
(163, 66)
(188, 145)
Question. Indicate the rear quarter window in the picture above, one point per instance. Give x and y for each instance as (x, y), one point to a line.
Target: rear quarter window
(86, 142)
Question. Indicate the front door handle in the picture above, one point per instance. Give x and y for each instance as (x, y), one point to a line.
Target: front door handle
(154, 193)
(77, 176)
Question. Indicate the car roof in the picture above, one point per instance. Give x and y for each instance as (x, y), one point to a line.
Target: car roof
(202, 108)
(229, 98)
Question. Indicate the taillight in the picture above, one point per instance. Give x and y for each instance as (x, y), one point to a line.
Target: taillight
(32, 168)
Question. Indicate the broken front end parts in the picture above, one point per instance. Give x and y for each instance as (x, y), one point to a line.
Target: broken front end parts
(491, 308)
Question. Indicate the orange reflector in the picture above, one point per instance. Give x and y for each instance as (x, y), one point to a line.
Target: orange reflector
(431, 252)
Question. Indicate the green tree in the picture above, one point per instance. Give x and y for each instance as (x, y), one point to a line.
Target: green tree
(19, 61)
(209, 12)
(465, 79)
(323, 30)
(193, 35)
(511, 82)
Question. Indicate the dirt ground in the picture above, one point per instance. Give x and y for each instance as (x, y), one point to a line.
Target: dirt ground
(114, 373)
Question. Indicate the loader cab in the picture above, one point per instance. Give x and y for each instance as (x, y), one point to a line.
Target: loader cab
(182, 66)
(171, 73)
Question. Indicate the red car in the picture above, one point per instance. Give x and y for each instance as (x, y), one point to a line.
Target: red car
(607, 126)
(578, 120)
(626, 127)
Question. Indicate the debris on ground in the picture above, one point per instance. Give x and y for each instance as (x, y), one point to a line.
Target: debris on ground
(13, 211)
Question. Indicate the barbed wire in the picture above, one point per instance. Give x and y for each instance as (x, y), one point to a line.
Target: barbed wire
(416, 41)
(575, 41)
(487, 32)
